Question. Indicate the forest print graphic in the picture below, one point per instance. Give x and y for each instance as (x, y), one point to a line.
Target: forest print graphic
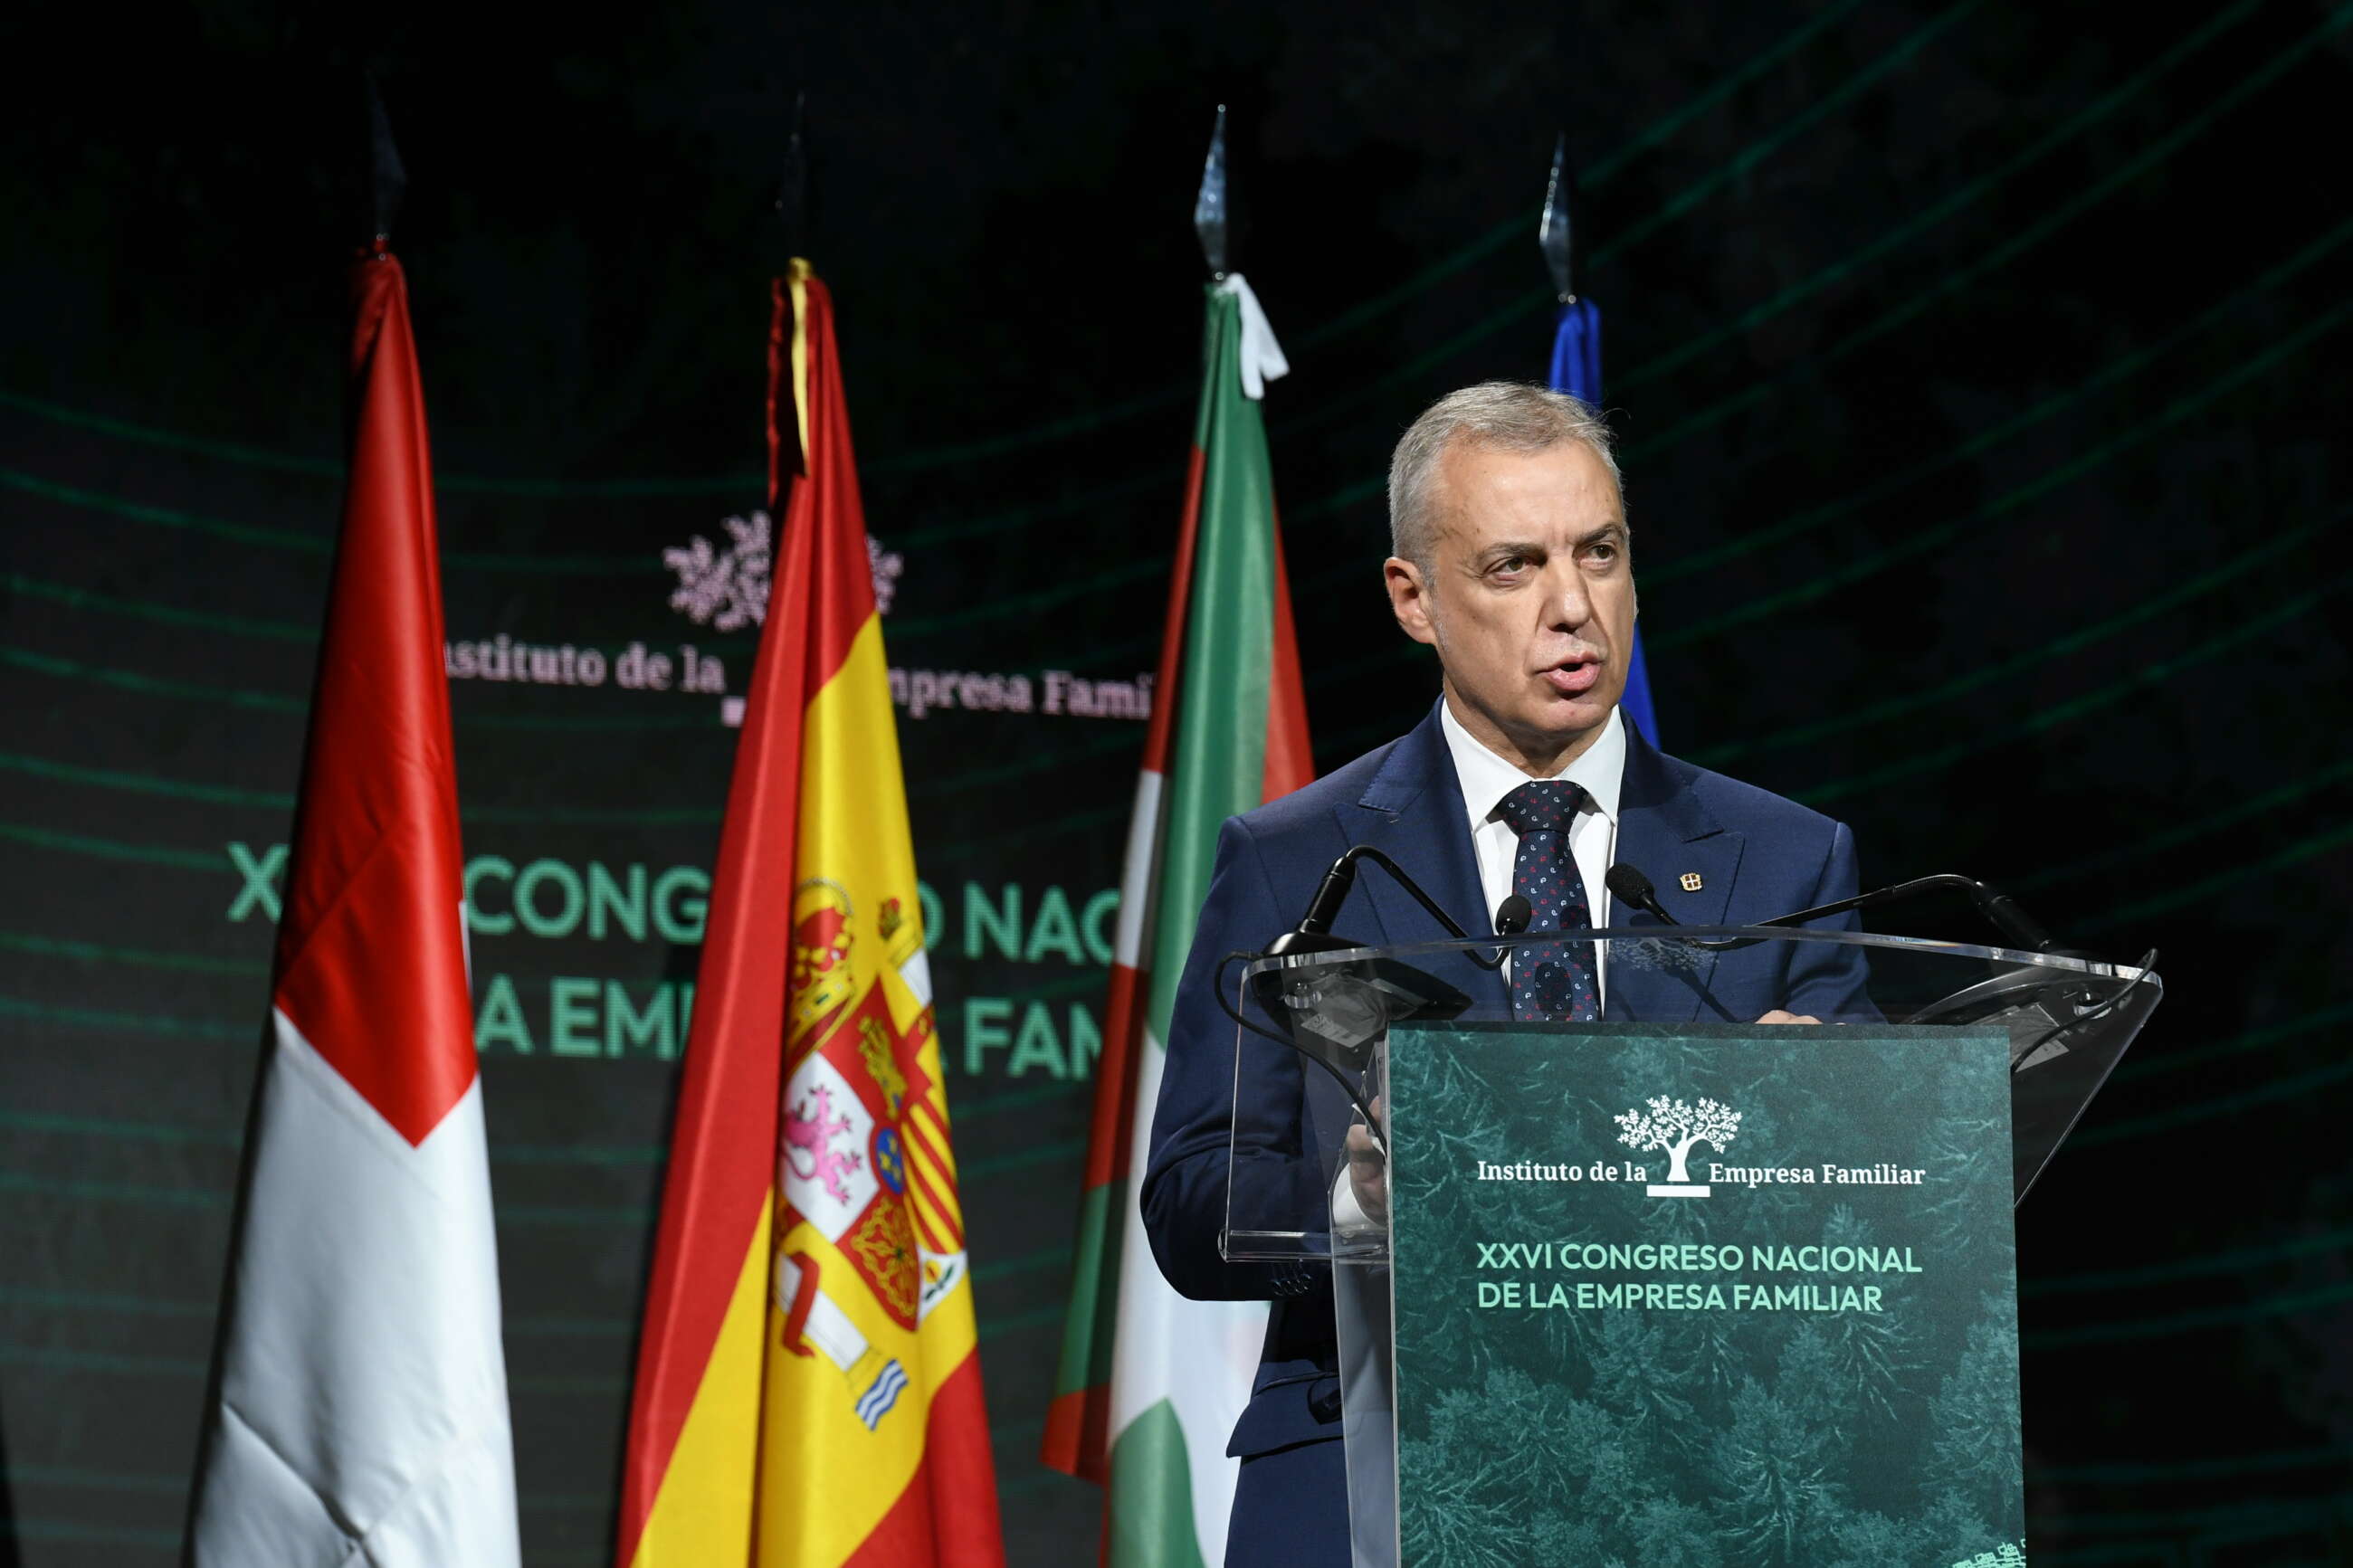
(1592, 1375)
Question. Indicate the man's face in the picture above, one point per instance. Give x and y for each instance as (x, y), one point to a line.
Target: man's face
(1528, 597)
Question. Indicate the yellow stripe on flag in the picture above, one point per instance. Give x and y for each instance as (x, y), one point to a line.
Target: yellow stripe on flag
(703, 1512)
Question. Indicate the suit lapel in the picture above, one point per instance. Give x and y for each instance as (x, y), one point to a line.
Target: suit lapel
(1665, 831)
(1413, 811)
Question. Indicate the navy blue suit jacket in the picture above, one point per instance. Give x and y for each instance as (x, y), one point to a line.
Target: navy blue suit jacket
(1757, 855)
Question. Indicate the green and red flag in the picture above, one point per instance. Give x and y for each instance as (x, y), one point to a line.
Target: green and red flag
(1150, 1383)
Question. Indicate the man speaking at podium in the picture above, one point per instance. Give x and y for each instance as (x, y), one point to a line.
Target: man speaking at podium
(1511, 557)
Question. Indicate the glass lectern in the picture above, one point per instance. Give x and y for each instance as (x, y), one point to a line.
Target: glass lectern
(1307, 1181)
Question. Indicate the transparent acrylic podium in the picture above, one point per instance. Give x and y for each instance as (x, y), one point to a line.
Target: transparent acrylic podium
(1312, 1063)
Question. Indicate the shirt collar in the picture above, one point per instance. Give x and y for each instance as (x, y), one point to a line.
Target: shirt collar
(1487, 778)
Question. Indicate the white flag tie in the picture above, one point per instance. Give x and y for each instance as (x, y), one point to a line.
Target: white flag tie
(1262, 358)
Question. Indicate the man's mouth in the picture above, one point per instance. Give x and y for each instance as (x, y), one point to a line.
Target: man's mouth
(1573, 676)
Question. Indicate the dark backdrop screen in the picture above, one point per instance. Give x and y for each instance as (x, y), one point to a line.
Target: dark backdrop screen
(1980, 372)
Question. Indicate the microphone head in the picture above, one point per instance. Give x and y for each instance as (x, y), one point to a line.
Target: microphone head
(1330, 894)
(1628, 883)
(1512, 916)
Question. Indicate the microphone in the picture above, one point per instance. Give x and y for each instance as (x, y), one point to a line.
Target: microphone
(1628, 884)
(1332, 892)
(1512, 917)
(1341, 1007)
(1314, 931)
(2017, 928)
(2022, 930)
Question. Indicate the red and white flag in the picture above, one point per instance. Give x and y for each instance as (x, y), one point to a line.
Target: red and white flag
(362, 1409)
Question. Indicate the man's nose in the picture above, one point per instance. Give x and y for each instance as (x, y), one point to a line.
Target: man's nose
(1566, 600)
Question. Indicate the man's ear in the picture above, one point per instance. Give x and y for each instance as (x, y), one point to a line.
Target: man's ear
(1409, 599)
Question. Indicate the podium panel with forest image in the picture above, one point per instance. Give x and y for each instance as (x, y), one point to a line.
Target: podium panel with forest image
(1704, 1296)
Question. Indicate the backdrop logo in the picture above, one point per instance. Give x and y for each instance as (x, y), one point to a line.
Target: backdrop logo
(1672, 1127)
(727, 589)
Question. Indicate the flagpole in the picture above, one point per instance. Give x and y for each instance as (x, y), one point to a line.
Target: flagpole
(388, 178)
(1575, 368)
(1209, 203)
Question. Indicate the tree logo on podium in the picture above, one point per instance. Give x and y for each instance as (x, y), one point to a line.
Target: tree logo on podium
(1672, 1127)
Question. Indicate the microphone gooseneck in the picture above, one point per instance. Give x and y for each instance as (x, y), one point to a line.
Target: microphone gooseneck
(1314, 932)
(1629, 884)
(2017, 928)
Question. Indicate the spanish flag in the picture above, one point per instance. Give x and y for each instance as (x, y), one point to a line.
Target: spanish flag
(808, 1391)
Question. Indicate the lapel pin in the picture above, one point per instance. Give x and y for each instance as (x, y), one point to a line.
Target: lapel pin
(1691, 882)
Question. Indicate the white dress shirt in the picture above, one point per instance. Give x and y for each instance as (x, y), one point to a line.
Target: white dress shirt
(1487, 778)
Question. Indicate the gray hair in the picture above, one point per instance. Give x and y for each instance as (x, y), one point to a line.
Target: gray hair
(1514, 415)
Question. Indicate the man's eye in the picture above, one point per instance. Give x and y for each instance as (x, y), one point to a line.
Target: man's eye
(1512, 563)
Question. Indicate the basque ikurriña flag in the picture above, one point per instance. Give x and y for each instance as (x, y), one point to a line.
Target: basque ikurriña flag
(1577, 370)
(1150, 1383)
(808, 1391)
(361, 1414)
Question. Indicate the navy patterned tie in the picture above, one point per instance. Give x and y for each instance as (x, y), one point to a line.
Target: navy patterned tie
(1550, 980)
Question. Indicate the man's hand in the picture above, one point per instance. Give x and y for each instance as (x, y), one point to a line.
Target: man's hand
(1368, 1171)
(1779, 1017)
